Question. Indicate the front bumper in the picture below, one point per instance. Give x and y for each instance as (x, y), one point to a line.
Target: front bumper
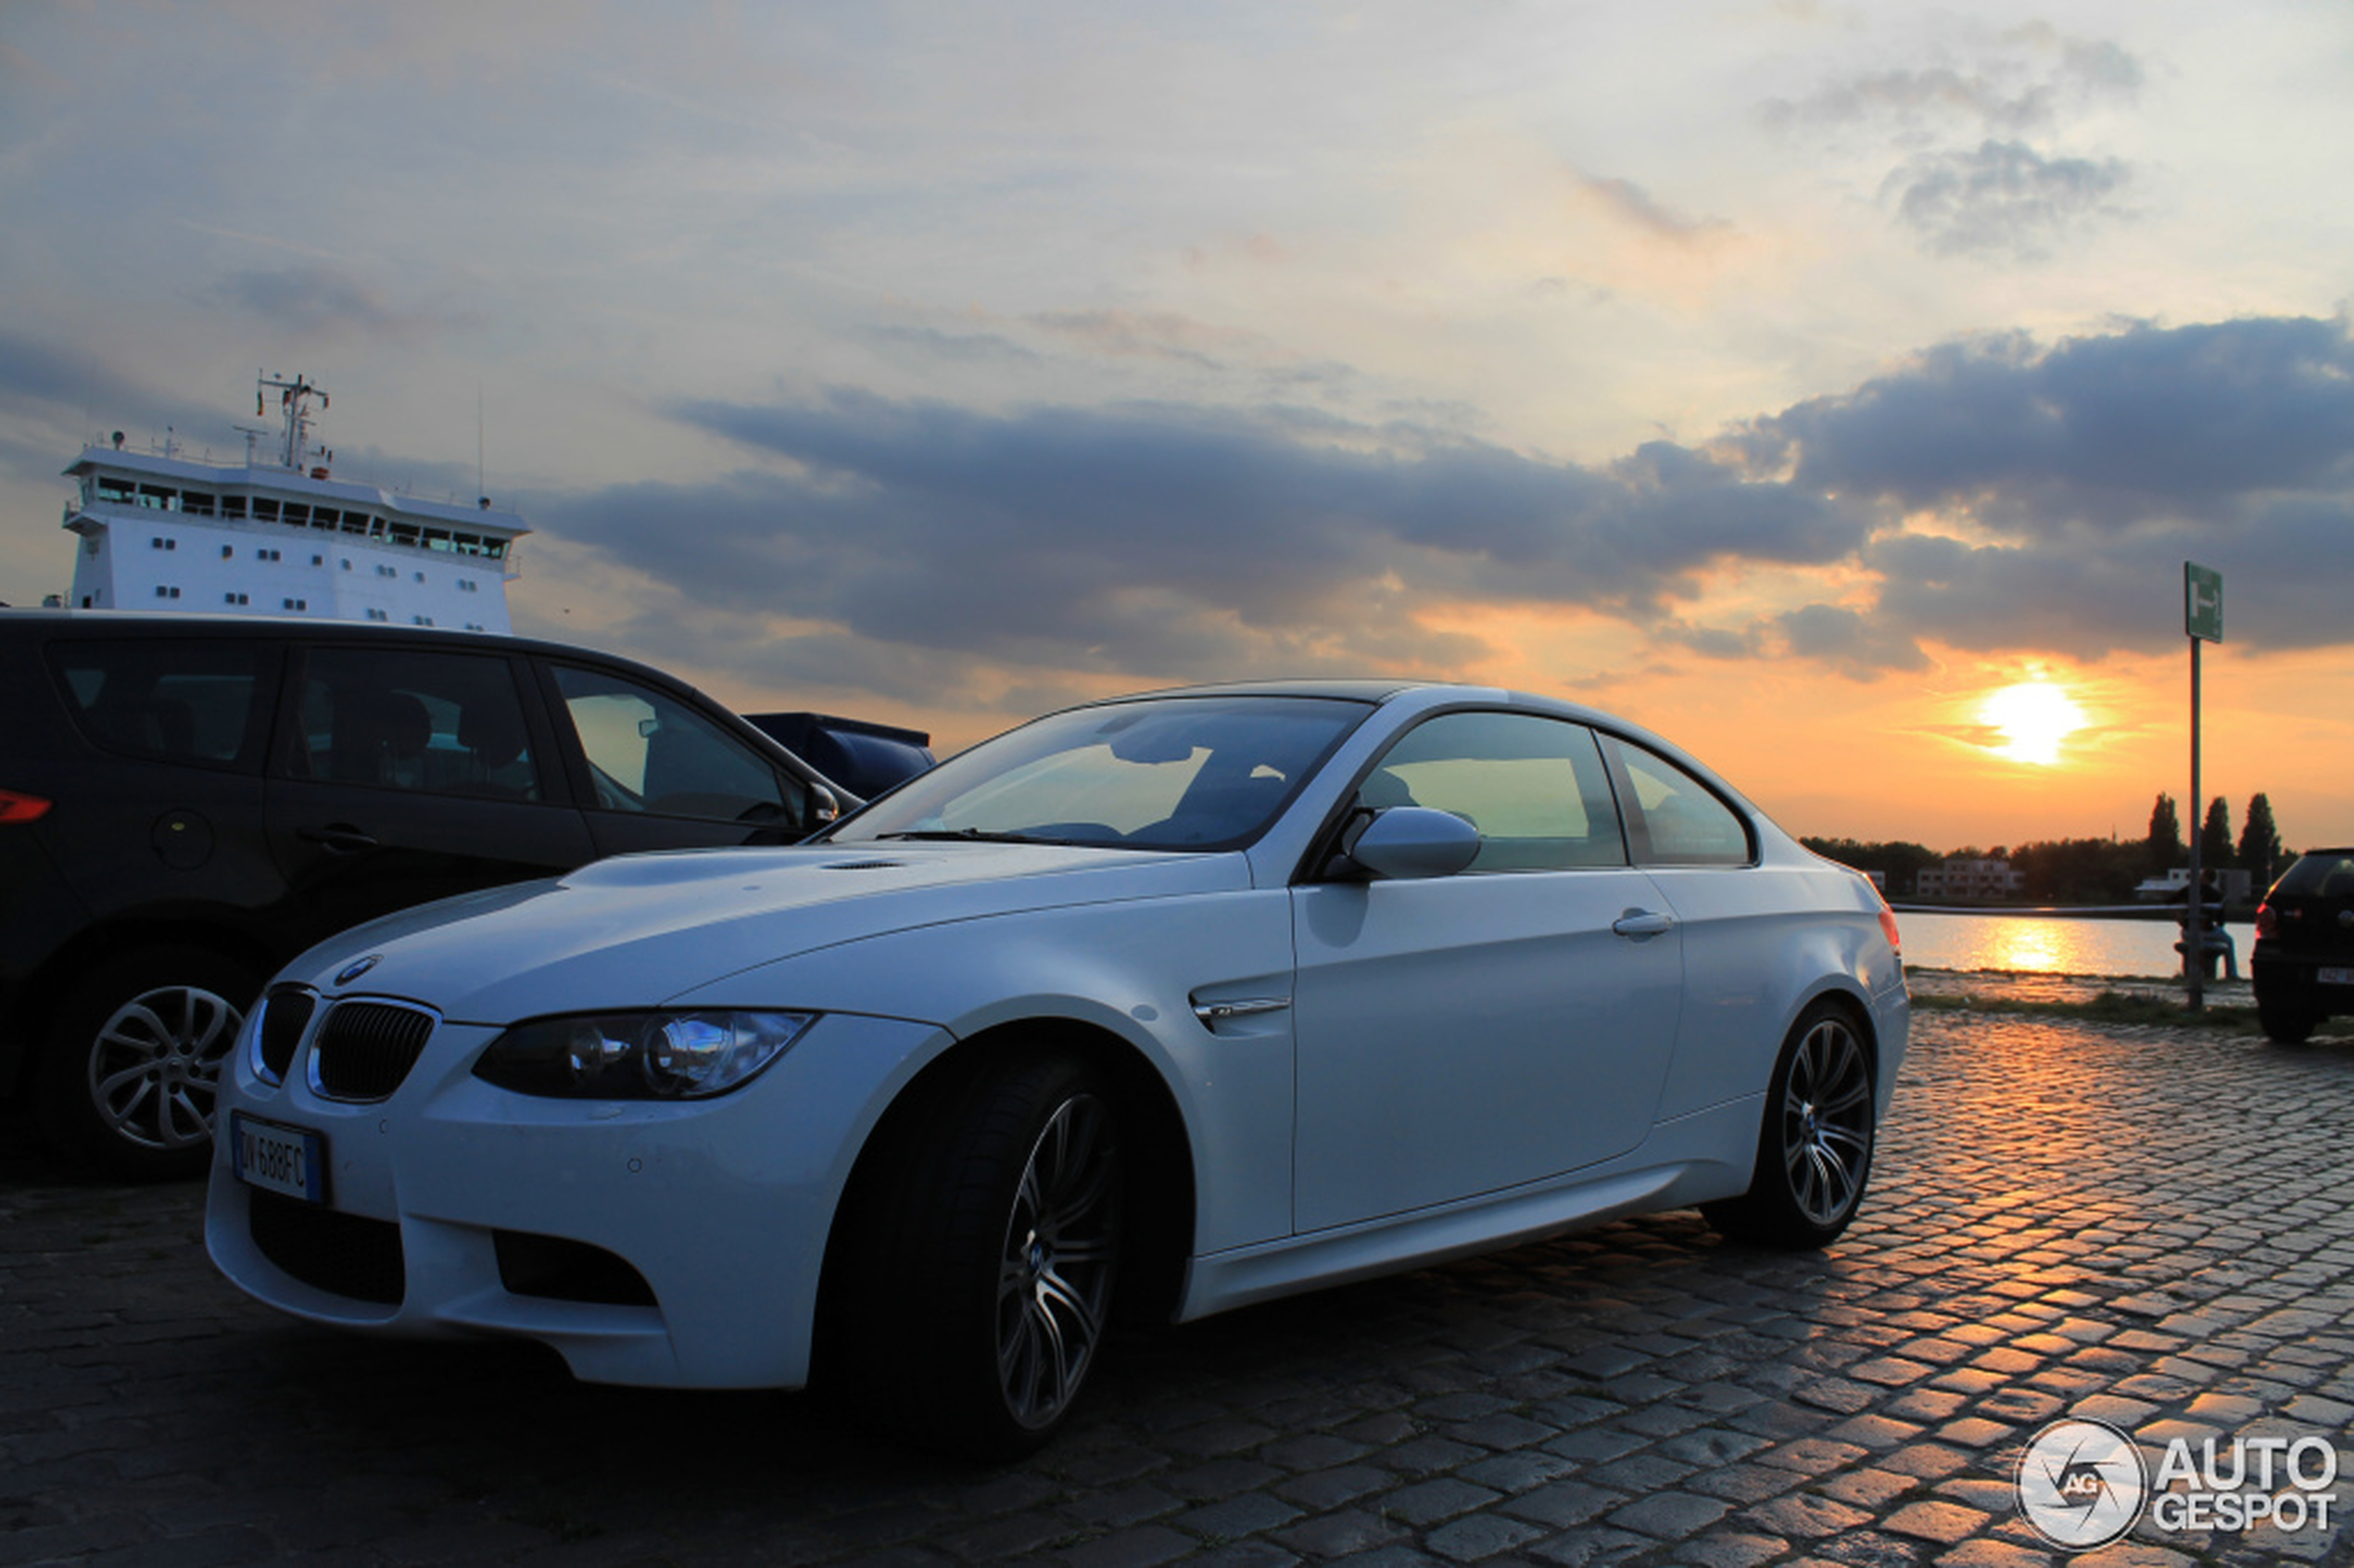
(674, 1245)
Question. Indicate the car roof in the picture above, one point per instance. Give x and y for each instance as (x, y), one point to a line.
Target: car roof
(289, 628)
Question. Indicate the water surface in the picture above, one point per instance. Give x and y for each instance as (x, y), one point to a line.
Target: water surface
(2052, 945)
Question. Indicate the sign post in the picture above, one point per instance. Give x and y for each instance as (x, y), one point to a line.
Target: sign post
(2202, 622)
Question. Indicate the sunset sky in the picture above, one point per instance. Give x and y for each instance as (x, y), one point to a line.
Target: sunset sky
(1792, 378)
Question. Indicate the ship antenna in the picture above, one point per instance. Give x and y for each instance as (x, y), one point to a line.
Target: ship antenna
(482, 475)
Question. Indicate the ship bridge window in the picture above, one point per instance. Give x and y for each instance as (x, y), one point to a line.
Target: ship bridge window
(294, 513)
(232, 506)
(197, 503)
(324, 517)
(437, 538)
(355, 523)
(404, 533)
(120, 492)
(157, 498)
(265, 509)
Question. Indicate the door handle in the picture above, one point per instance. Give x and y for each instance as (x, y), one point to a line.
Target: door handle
(338, 838)
(1643, 923)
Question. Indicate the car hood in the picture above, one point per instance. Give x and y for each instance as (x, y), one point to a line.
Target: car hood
(637, 930)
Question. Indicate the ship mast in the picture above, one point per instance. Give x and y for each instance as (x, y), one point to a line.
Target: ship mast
(294, 397)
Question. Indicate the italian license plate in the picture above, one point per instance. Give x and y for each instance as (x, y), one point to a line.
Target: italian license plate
(2337, 977)
(292, 1160)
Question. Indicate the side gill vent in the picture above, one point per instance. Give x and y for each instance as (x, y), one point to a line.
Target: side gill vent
(862, 865)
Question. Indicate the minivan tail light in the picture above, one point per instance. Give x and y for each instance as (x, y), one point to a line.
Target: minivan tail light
(2268, 920)
(19, 808)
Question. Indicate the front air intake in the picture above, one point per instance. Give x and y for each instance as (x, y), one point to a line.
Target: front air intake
(366, 1048)
(286, 1013)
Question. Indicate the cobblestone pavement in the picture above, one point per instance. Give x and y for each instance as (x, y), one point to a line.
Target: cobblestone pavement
(2151, 1226)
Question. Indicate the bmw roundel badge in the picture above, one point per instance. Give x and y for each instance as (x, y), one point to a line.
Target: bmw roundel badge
(357, 968)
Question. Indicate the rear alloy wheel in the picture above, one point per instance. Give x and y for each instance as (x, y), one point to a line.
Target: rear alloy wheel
(1815, 1143)
(128, 1074)
(983, 1270)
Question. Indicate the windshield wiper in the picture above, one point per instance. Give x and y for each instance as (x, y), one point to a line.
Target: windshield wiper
(964, 835)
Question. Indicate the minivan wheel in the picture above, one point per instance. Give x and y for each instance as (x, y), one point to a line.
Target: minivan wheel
(126, 1077)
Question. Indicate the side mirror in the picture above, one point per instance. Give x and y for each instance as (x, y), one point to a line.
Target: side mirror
(1407, 843)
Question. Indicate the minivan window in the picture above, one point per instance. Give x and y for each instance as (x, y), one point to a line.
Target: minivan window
(648, 752)
(191, 700)
(440, 722)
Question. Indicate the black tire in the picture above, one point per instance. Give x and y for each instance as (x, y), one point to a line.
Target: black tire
(1814, 1140)
(980, 1279)
(126, 1074)
(2285, 1028)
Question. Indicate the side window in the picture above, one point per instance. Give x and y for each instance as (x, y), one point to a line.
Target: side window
(649, 752)
(197, 700)
(1534, 788)
(445, 724)
(1675, 819)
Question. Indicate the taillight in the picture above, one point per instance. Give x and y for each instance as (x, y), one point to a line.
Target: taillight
(17, 807)
(2268, 922)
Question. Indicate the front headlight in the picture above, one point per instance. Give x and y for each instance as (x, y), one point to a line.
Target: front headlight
(682, 1056)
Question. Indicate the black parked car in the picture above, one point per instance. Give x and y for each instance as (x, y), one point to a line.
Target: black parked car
(2303, 965)
(187, 803)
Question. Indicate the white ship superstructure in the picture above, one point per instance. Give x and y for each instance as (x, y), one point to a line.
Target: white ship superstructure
(161, 532)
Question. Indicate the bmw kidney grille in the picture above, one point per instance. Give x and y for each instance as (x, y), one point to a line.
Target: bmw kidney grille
(366, 1048)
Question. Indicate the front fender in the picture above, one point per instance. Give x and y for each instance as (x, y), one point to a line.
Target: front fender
(1132, 969)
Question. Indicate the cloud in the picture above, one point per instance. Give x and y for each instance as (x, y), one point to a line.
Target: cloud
(1990, 495)
(2107, 433)
(1633, 205)
(2002, 197)
(2090, 472)
(1979, 170)
(321, 297)
(1173, 541)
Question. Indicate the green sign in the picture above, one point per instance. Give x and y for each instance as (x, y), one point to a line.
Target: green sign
(2202, 602)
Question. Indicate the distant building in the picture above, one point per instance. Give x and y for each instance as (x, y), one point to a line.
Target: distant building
(1969, 879)
(2238, 887)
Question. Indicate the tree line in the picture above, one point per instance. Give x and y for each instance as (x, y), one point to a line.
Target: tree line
(2093, 870)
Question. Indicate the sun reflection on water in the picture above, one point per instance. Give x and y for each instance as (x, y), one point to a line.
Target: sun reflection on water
(2047, 946)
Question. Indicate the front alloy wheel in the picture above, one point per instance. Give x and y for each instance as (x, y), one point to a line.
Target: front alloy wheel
(971, 1274)
(1053, 1283)
(1814, 1146)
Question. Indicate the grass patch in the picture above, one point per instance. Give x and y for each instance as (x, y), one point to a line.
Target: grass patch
(2107, 1007)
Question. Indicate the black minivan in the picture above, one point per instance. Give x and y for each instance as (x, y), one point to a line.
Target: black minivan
(186, 803)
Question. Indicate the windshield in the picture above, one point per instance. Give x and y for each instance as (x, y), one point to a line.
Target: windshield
(1167, 773)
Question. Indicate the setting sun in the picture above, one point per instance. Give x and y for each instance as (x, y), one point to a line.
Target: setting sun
(2035, 718)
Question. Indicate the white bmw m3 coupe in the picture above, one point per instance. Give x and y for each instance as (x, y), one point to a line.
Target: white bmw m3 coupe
(1161, 1005)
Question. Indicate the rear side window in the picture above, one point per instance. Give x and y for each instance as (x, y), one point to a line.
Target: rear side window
(648, 752)
(194, 700)
(1674, 819)
(443, 724)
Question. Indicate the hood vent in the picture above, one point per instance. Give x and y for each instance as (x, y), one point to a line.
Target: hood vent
(862, 865)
